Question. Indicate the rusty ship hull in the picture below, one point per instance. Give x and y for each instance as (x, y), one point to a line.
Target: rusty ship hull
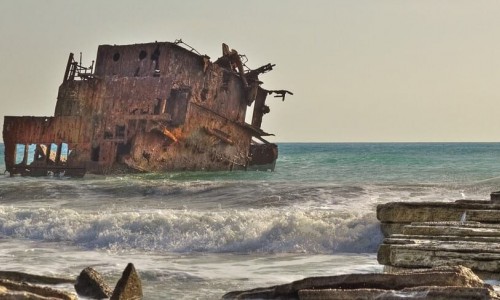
(151, 107)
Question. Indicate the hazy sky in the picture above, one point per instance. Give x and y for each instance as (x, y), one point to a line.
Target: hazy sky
(380, 70)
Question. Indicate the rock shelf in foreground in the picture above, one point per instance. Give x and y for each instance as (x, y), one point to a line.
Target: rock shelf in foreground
(394, 216)
(438, 283)
(430, 234)
(425, 245)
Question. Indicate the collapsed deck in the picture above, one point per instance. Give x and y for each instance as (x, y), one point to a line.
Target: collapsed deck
(147, 107)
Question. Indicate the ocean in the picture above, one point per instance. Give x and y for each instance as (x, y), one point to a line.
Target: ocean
(198, 235)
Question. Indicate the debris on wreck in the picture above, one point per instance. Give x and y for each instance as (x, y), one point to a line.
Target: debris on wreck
(147, 107)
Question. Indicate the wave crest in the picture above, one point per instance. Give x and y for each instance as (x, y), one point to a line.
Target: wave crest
(240, 231)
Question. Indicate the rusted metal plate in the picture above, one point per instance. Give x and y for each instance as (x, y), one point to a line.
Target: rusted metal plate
(146, 107)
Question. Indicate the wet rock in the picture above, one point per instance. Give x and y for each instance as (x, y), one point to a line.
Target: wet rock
(129, 287)
(438, 277)
(17, 290)
(91, 284)
(32, 278)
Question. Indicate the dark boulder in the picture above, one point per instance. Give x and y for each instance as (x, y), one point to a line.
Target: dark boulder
(91, 284)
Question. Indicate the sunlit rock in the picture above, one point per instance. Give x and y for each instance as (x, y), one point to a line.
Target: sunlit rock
(351, 286)
(431, 234)
(22, 290)
(129, 287)
(33, 278)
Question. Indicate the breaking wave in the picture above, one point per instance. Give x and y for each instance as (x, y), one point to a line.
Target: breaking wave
(268, 230)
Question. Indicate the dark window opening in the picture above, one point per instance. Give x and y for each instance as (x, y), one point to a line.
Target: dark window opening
(94, 155)
(155, 57)
(116, 56)
(204, 94)
(157, 107)
(108, 135)
(225, 80)
(142, 125)
(123, 149)
(132, 124)
(143, 54)
(131, 128)
(156, 54)
(120, 131)
(146, 155)
(177, 105)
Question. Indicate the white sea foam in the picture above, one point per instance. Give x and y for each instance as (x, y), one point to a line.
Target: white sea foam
(265, 230)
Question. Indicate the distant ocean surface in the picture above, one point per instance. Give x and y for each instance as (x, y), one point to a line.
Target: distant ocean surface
(198, 235)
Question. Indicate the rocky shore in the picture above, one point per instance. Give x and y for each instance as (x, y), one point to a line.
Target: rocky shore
(430, 234)
(438, 283)
(394, 216)
(431, 250)
(89, 284)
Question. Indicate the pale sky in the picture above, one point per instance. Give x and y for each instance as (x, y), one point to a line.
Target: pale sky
(361, 71)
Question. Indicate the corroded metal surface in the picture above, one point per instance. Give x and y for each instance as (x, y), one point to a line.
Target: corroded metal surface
(147, 107)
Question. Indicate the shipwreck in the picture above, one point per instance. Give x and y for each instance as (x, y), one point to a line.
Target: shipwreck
(150, 107)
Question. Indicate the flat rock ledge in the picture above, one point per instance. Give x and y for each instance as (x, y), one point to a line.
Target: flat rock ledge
(393, 216)
(430, 234)
(438, 283)
(23, 290)
(89, 284)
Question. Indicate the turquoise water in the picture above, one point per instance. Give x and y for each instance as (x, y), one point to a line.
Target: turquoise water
(391, 162)
(369, 163)
(196, 235)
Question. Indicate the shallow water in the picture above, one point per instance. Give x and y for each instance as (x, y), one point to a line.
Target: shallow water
(181, 275)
